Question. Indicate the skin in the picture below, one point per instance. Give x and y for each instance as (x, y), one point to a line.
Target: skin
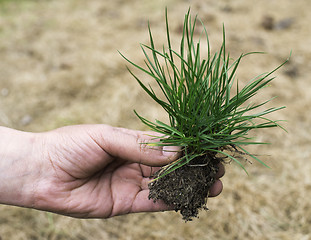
(83, 171)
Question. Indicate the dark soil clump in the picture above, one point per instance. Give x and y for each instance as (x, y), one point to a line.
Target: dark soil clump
(186, 188)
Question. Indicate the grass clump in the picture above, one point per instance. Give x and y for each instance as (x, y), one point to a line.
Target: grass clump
(207, 119)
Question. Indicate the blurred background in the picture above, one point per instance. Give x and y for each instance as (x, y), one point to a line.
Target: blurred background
(59, 65)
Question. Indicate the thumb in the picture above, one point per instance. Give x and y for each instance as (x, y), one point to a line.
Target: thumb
(132, 145)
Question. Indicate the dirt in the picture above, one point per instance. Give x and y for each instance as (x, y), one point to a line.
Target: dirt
(186, 189)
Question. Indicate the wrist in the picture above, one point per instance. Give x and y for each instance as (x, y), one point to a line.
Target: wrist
(18, 170)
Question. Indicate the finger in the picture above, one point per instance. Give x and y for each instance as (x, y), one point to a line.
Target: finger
(147, 171)
(143, 204)
(133, 146)
(215, 189)
(221, 171)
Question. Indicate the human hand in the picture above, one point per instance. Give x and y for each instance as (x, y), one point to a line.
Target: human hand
(91, 171)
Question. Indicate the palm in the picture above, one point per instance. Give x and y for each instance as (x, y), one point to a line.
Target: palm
(92, 183)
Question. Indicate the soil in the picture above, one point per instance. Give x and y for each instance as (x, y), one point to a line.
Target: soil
(186, 189)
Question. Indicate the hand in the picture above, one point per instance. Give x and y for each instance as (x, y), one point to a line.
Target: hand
(86, 171)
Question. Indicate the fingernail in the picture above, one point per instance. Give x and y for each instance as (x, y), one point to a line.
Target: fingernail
(169, 151)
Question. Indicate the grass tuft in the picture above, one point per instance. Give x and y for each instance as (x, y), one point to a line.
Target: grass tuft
(205, 115)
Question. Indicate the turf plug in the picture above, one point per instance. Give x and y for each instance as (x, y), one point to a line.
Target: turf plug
(207, 118)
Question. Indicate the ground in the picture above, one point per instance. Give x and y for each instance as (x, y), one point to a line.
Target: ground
(60, 65)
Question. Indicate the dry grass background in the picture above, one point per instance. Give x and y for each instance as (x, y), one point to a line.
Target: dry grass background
(59, 65)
